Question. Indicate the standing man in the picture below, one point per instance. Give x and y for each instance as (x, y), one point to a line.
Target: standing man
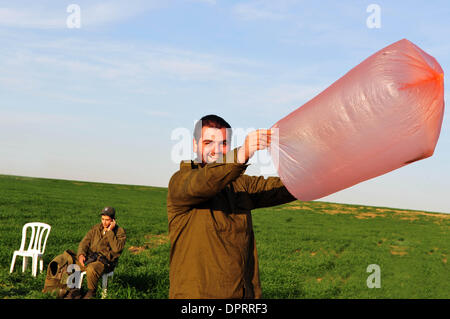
(209, 202)
(99, 251)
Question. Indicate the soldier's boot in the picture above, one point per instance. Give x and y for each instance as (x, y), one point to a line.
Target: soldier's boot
(90, 294)
(74, 293)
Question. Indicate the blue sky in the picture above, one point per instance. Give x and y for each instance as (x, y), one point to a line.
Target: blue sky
(100, 102)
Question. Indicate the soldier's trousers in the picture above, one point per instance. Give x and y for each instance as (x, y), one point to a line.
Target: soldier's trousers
(94, 271)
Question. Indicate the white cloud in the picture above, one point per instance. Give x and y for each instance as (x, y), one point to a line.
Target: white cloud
(256, 10)
(265, 9)
(102, 13)
(48, 15)
(10, 119)
(26, 18)
(210, 2)
(45, 65)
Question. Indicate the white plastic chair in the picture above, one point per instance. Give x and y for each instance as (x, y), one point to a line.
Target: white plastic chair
(104, 282)
(36, 246)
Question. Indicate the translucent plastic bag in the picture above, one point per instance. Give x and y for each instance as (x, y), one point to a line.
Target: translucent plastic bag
(383, 114)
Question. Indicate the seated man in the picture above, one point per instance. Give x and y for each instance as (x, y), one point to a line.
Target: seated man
(99, 251)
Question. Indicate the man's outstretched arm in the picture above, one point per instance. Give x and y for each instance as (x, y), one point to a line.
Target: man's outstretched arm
(264, 192)
(267, 192)
(193, 186)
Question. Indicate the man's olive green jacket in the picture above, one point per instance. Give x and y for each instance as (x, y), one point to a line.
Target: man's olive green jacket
(213, 252)
(109, 244)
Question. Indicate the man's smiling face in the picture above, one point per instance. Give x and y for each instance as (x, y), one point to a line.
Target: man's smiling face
(212, 144)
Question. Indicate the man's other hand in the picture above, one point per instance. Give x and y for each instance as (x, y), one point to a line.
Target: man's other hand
(81, 259)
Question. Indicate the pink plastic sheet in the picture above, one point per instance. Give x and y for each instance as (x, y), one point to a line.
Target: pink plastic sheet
(383, 114)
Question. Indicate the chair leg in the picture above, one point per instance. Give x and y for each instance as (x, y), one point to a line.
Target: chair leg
(13, 262)
(24, 263)
(105, 284)
(41, 265)
(80, 282)
(34, 262)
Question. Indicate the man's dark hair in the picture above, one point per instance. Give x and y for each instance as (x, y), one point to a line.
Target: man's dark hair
(213, 121)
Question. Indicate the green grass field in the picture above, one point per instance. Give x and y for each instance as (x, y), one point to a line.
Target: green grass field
(306, 249)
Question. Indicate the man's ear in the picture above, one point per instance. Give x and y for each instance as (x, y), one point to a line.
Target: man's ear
(194, 146)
